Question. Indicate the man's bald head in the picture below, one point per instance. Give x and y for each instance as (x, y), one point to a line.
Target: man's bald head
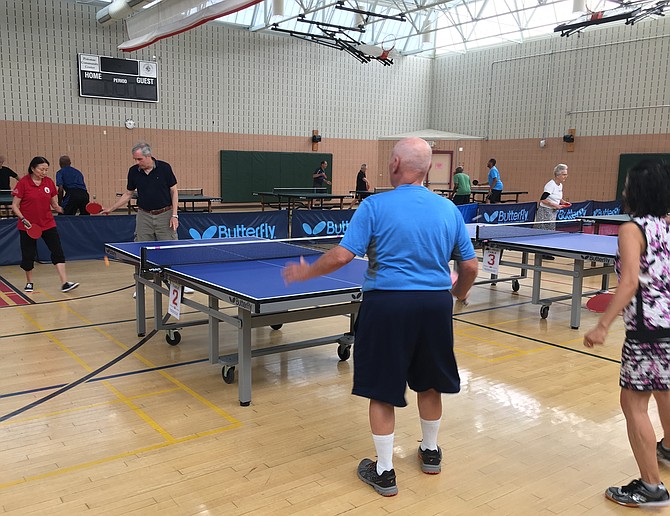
(410, 161)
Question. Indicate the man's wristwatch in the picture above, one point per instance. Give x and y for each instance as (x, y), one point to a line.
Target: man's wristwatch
(175, 216)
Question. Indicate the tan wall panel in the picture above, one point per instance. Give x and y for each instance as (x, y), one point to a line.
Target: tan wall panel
(103, 155)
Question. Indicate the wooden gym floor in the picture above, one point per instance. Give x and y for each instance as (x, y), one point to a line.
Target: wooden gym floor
(536, 429)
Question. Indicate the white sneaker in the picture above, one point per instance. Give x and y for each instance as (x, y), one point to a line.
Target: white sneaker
(188, 290)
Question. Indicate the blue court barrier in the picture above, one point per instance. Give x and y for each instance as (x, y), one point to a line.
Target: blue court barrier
(506, 213)
(83, 237)
(306, 223)
(606, 208)
(469, 211)
(577, 209)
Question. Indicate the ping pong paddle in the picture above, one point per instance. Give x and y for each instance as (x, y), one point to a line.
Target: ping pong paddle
(454, 279)
(566, 205)
(34, 231)
(94, 208)
(599, 302)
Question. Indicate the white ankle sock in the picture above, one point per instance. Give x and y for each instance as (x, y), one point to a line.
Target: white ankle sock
(429, 430)
(384, 447)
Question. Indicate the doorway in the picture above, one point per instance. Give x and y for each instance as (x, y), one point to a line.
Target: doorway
(440, 174)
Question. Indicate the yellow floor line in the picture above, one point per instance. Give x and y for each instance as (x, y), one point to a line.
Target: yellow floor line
(121, 398)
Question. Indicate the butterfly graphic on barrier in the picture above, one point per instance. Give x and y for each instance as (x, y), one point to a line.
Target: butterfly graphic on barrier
(315, 230)
(491, 217)
(208, 233)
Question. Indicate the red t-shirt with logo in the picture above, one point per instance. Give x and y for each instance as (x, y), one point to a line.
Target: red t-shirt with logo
(36, 201)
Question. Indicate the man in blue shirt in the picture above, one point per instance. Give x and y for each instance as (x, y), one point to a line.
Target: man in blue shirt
(495, 182)
(71, 188)
(404, 330)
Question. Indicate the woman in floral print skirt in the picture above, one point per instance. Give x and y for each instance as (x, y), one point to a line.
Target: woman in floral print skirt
(643, 267)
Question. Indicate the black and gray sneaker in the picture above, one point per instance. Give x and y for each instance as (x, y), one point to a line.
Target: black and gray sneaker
(636, 494)
(430, 460)
(28, 287)
(68, 285)
(661, 452)
(384, 484)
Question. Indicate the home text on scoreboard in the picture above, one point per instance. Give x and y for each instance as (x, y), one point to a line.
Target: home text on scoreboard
(119, 79)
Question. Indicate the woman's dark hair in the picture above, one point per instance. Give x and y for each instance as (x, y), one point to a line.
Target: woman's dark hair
(647, 189)
(37, 160)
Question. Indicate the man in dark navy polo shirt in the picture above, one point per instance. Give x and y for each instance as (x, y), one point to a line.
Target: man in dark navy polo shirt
(157, 196)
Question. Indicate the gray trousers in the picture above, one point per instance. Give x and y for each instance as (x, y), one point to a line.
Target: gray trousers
(150, 227)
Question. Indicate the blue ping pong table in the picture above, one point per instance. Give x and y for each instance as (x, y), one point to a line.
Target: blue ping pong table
(605, 220)
(254, 286)
(600, 250)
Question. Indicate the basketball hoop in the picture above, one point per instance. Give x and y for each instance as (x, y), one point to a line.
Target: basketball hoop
(387, 46)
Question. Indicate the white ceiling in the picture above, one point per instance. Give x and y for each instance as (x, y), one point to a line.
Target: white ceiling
(431, 27)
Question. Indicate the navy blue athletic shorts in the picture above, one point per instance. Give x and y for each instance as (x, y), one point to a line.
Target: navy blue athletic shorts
(404, 337)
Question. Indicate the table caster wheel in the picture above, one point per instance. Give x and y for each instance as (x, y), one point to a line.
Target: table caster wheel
(173, 337)
(544, 311)
(228, 374)
(344, 352)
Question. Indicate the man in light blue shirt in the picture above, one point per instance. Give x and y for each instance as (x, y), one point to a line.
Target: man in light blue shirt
(495, 182)
(404, 330)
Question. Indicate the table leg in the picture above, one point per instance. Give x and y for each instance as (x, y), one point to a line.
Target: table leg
(140, 312)
(244, 357)
(605, 282)
(158, 306)
(577, 288)
(213, 325)
(537, 278)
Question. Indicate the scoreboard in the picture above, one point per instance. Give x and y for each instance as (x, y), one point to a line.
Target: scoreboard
(119, 79)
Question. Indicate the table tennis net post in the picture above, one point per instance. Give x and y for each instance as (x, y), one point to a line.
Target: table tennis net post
(527, 229)
(155, 258)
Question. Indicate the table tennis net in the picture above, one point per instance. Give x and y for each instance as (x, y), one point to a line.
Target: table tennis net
(226, 251)
(527, 229)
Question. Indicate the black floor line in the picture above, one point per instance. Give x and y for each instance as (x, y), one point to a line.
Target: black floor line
(81, 380)
(35, 303)
(497, 307)
(103, 378)
(79, 327)
(539, 341)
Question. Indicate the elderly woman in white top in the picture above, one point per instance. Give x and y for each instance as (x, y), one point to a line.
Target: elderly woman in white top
(552, 198)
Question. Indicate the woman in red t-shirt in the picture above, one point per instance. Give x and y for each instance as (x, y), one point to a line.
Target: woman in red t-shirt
(35, 195)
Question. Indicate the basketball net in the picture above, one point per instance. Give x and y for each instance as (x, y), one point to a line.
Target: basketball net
(387, 46)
